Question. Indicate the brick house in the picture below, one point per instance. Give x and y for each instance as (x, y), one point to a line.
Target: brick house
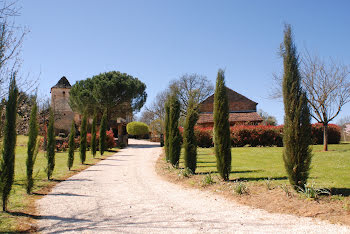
(242, 110)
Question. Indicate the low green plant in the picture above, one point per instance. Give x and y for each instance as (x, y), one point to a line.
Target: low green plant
(269, 183)
(311, 191)
(285, 188)
(346, 205)
(187, 172)
(170, 167)
(208, 179)
(240, 188)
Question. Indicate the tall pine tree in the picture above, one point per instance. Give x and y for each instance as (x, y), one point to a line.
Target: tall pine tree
(174, 133)
(297, 128)
(9, 144)
(222, 143)
(93, 135)
(166, 123)
(71, 145)
(51, 144)
(103, 129)
(32, 141)
(83, 143)
(190, 143)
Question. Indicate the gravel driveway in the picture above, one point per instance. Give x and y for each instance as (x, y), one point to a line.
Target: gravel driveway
(124, 194)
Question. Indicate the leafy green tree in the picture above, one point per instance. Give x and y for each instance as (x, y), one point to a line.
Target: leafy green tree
(297, 128)
(174, 133)
(167, 130)
(51, 144)
(81, 97)
(103, 128)
(71, 145)
(222, 143)
(9, 144)
(190, 143)
(83, 143)
(137, 128)
(93, 135)
(116, 92)
(32, 142)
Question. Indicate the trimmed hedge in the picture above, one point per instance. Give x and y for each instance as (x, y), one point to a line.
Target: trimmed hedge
(137, 128)
(260, 135)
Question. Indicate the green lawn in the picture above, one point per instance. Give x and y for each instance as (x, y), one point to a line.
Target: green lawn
(329, 169)
(19, 201)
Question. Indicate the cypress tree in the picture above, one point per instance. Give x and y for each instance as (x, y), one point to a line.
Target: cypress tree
(83, 133)
(297, 128)
(222, 142)
(174, 133)
(93, 136)
(51, 144)
(103, 129)
(166, 123)
(71, 145)
(32, 141)
(9, 144)
(190, 144)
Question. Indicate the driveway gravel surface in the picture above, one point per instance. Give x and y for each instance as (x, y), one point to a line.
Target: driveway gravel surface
(123, 194)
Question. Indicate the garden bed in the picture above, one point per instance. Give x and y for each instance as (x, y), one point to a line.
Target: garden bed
(260, 171)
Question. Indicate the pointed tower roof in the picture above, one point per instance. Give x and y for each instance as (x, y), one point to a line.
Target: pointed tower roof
(62, 83)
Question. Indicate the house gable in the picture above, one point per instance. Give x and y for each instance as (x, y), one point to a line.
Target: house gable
(242, 110)
(237, 103)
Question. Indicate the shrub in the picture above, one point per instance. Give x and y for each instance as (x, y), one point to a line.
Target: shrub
(240, 188)
(334, 134)
(110, 142)
(137, 128)
(208, 179)
(204, 137)
(259, 135)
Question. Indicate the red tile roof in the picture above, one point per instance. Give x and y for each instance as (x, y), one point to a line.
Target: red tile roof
(233, 117)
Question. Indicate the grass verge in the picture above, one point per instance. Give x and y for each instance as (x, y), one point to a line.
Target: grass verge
(22, 213)
(258, 179)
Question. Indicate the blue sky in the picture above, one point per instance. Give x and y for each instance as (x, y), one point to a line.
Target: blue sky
(159, 40)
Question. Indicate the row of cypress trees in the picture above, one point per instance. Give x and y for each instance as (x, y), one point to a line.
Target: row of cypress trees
(83, 139)
(297, 124)
(221, 128)
(7, 162)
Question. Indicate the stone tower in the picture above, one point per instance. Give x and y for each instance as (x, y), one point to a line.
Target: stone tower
(60, 105)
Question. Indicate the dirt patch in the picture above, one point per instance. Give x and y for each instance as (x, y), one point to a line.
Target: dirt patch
(272, 197)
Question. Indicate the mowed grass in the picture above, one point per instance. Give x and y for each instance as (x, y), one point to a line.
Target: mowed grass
(329, 169)
(19, 201)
